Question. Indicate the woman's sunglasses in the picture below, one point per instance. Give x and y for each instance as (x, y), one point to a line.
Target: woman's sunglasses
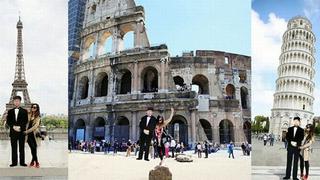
(34, 107)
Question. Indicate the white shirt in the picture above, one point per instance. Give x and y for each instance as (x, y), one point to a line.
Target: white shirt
(294, 131)
(148, 119)
(173, 143)
(16, 111)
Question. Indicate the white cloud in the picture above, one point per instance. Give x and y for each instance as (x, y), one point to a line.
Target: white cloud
(312, 9)
(266, 48)
(45, 51)
(266, 42)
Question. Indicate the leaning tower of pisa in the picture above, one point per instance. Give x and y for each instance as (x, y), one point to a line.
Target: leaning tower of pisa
(295, 83)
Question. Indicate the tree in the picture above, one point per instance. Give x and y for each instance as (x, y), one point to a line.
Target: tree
(53, 122)
(260, 124)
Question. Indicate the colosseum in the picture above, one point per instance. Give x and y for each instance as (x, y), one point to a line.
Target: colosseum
(114, 84)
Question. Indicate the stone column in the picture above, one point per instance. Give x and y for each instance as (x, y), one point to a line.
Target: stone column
(193, 127)
(75, 90)
(135, 78)
(97, 44)
(88, 133)
(91, 84)
(107, 132)
(138, 35)
(216, 137)
(162, 75)
(116, 41)
(134, 126)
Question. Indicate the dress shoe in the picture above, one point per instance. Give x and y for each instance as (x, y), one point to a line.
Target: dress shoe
(146, 159)
(24, 165)
(286, 178)
(13, 165)
(37, 165)
(139, 159)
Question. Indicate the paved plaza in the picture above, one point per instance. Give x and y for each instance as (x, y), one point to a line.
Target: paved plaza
(53, 158)
(270, 161)
(119, 167)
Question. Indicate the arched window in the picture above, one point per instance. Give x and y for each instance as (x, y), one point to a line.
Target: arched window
(124, 84)
(101, 85)
(244, 97)
(202, 82)
(150, 79)
(230, 91)
(83, 88)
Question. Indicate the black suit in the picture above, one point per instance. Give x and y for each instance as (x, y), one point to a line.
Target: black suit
(145, 140)
(15, 136)
(293, 152)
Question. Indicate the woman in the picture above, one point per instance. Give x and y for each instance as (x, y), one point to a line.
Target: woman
(230, 149)
(309, 139)
(161, 124)
(199, 150)
(32, 132)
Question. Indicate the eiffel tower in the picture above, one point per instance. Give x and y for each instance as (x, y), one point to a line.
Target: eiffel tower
(19, 85)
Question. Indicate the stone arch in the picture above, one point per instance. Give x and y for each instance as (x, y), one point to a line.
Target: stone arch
(205, 124)
(99, 128)
(247, 130)
(244, 97)
(149, 79)
(226, 132)
(83, 88)
(230, 91)
(89, 47)
(128, 40)
(101, 85)
(178, 128)
(178, 80)
(80, 128)
(121, 129)
(105, 43)
(202, 82)
(124, 82)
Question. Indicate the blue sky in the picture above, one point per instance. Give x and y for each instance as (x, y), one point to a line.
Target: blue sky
(203, 24)
(269, 20)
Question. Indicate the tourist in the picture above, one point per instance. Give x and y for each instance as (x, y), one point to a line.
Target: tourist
(199, 149)
(129, 146)
(308, 140)
(248, 148)
(147, 126)
(265, 139)
(284, 140)
(161, 135)
(17, 120)
(230, 149)
(243, 147)
(178, 147)
(115, 147)
(137, 148)
(272, 139)
(181, 147)
(173, 147)
(294, 137)
(33, 136)
(206, 149)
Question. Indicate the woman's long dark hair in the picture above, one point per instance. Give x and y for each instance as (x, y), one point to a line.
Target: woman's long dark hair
(36, 113)
(158, 120)
(310, 132)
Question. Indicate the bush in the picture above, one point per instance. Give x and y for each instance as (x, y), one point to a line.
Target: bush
(53, 122)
